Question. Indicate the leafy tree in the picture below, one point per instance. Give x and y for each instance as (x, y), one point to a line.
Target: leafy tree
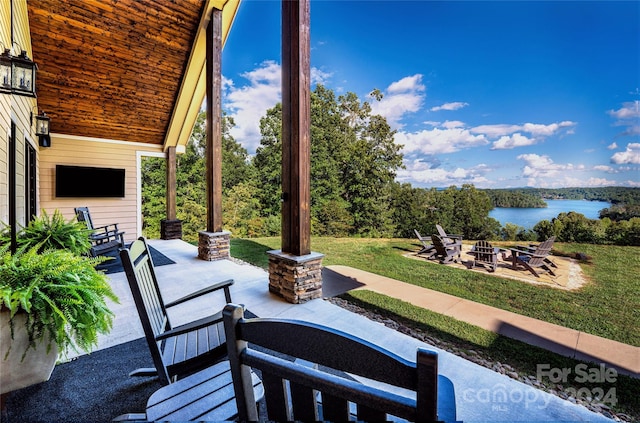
(414, 208)
(510, 231)
(241, 211)
(577, 228)
(544, 230)
(236, 168)
(471, 212)
(153, 174)
(353, 163)
(191, 184)
(514, 198)
(267, 162)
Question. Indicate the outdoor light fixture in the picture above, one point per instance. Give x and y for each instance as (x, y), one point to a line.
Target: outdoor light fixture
(42, 129)
(23, 75)
(5, 72)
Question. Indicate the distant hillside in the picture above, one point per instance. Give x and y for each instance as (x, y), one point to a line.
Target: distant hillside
(514, 198)
(533, 197)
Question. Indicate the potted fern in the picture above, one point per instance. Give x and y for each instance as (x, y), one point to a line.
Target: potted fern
(51, 300)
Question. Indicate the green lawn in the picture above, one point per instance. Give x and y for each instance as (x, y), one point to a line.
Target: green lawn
(608, 305)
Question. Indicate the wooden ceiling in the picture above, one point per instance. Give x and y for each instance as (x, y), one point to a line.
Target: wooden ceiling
(112, 68)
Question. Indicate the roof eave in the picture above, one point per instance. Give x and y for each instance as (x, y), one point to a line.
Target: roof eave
(193, 88)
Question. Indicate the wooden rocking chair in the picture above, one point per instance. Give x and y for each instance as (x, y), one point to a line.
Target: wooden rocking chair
(176, 351)
(315, 373)
(105, 238)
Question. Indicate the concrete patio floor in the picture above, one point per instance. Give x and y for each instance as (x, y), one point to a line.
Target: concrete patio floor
(481, 394)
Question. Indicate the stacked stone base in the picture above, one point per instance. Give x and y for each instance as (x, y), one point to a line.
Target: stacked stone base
(170, 229)
(297, 279)
(214, 245)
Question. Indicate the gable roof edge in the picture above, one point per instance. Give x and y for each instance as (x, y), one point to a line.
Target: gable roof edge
(193, 87)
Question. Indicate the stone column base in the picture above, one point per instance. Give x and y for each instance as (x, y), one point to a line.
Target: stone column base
(297, 279)
(214, 245)
(171, 229)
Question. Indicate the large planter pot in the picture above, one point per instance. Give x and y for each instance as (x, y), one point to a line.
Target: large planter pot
(37, 365)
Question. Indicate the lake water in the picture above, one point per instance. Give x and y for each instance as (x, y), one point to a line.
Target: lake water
(528, 217)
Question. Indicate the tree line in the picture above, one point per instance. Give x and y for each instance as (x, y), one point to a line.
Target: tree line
(354, 191)
(513, 197)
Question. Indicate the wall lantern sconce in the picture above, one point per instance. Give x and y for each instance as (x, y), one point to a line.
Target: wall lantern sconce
(17, 74)
(42, 129)
(5, 72)
(23, 73)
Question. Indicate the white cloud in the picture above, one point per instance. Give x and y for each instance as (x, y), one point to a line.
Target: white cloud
(542, 166)
(604, 168)
(629, 110)
(401, 97)
(495, 131)
(450, 124)
(421, 173)
(456, 105)
(600, 182)
(319, 77)
(630, 156)
(406, 84)
(628, 116)
(569, 181)
(612, 146)
(438, 141)
(511, 136)
(541, 171)
(247, 104)
(512, 141)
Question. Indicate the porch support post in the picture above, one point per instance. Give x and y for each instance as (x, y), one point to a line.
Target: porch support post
(209, 246)
(294, 272)
(171, 227)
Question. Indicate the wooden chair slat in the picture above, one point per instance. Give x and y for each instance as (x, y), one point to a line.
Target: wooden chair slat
(303, 401)
(276, 398)
(334, 409)
(207, 395)
(367, 414)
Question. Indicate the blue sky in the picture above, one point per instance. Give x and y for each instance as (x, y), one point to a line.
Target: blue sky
(498, 94)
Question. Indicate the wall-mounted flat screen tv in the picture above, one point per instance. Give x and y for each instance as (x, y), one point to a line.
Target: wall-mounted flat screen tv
(85, 181)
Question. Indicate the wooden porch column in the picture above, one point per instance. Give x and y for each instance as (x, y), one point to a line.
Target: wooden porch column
(171, 227)
(213, 243)
(294, 271)
(296, 127)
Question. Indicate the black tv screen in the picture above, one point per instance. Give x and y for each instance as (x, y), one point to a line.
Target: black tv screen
(84, 181)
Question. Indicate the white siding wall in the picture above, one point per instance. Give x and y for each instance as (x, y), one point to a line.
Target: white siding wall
(77, 151)
(14, 108)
